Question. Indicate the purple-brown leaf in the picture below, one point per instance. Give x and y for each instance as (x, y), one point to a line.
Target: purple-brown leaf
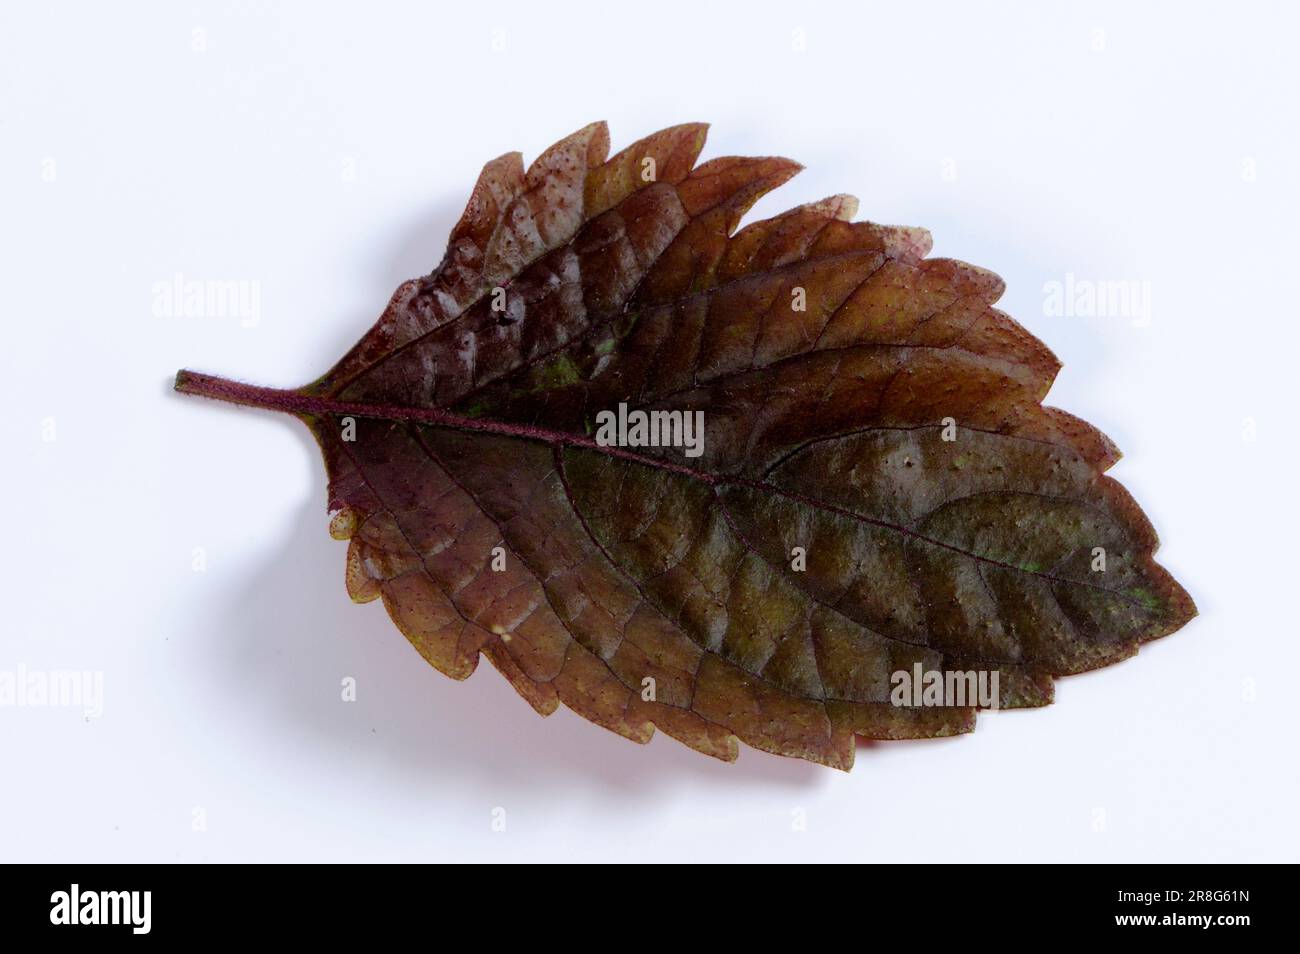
(879, 494)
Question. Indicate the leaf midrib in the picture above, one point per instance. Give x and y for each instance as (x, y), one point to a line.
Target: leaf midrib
(298, 403)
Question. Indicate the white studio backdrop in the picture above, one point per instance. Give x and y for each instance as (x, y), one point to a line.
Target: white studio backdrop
(318, 157)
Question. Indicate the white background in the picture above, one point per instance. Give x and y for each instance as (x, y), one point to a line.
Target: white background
(324, 156)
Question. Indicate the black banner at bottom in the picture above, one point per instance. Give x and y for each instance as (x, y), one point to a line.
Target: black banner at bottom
(212, 903)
